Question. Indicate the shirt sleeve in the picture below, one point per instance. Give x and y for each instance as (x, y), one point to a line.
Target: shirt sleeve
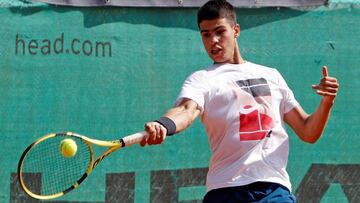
(289, 101)
(194, 88)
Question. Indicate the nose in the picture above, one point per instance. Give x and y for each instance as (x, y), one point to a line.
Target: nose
(214, 39)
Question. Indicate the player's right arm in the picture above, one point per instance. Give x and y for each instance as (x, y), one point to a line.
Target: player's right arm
(183, 115)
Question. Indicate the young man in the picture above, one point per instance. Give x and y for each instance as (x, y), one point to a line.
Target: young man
(244, 107)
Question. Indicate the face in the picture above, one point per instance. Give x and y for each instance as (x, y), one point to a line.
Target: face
(219, 39)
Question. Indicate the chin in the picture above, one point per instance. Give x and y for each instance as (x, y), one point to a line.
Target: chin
(221, 61)
(218, 60)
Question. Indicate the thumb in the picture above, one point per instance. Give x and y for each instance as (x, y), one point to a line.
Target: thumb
(324, 71)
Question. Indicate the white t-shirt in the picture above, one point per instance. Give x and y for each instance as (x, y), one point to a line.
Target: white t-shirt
(242, 108)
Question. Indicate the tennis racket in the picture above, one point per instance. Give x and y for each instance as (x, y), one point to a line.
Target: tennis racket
(60, 174)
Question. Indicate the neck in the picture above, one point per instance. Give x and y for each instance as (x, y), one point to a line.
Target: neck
(237, 56)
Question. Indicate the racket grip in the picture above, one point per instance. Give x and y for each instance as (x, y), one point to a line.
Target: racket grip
(134, 138)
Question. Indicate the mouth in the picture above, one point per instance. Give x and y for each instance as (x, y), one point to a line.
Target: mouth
(215, 51)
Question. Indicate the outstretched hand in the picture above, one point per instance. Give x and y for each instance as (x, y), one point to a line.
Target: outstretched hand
(156, 134)
(328, 86)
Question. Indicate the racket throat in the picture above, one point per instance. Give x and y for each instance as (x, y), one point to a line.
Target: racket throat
(105, 154)
(97, 161)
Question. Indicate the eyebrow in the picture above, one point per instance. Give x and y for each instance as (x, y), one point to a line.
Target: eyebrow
(216, 28)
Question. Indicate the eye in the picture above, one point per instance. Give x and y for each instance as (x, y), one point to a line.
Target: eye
(205, 34)
(220, 32)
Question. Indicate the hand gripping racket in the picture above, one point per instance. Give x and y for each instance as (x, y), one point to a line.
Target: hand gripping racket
(60, 174)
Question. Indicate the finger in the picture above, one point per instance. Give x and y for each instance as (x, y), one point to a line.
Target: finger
(326, 82)
(326, 88)
(331, 82)
(322, 93)
(143, 142)
(149, 127)
(324, 71)
(316, 87)
(329, 90)
(151, 131)
(325, 85)
(158, 132)
(161, 135)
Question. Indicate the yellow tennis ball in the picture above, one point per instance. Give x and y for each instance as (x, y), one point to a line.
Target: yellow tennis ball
(68, 147)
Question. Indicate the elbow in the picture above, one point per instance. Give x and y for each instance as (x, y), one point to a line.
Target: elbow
(310, 141)
(310, 138)
(310, 135)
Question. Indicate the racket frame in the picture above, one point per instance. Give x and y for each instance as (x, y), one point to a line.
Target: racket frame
(112, 146)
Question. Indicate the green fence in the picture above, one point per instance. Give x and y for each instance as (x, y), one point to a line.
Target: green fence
(104, 72)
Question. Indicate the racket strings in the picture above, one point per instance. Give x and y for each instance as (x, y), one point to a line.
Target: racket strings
(57, 172)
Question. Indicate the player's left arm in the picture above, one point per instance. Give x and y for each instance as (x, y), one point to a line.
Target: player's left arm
(310, 127)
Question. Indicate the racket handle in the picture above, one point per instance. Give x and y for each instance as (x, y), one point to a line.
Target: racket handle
(134, 138)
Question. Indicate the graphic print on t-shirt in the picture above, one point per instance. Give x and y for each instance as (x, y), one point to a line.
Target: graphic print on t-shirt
(256, 117)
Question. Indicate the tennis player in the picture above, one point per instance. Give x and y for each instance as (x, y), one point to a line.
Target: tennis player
(244, 107)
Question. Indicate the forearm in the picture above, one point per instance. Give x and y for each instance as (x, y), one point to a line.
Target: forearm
(183, 115)
(314, 124)
(173, 121)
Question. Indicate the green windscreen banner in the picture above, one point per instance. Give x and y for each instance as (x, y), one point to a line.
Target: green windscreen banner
(104, 72)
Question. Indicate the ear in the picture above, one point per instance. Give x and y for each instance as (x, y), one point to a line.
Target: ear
(237, 30)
